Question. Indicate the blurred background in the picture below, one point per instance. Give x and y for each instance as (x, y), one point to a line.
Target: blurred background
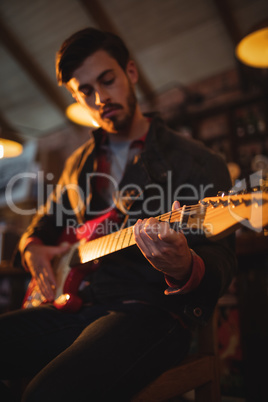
(187, 56)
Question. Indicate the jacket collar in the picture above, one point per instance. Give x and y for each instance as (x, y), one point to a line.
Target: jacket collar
(153, 163)
(152, 159)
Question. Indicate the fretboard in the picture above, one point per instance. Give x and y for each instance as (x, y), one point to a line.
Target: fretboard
(116, 241)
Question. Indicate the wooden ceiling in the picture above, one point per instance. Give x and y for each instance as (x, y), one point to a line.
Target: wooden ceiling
(174, 43)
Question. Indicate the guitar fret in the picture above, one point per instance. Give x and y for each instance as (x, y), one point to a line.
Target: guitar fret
(79, 255)
(109, 243)
(96, 245)
(123, 235)
(117, 246)
(100, 247)
(106, 246)
(131, 239)
(127, 237)
(91, 249)
(112, 247)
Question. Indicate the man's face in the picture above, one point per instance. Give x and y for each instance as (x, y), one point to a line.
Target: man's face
(106, 91)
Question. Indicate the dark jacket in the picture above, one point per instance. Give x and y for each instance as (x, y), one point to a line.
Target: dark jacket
(169, 167)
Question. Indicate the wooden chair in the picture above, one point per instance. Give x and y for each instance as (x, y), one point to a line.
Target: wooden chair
(198, 372)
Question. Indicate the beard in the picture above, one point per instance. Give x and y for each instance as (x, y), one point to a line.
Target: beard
(125, 122)
(120, 124)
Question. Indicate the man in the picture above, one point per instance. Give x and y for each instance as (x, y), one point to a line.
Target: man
(141, 303)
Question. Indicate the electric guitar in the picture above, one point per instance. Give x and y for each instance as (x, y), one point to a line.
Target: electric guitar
(215, 217)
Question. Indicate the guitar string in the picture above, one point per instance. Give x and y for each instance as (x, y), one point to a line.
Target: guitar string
(165, 216)
(129, 232)
(84, 249)
(177, 213)
(210, 210)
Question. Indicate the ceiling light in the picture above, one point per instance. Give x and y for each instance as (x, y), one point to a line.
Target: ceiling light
(252, 50)
(79, 115)
(9, 149)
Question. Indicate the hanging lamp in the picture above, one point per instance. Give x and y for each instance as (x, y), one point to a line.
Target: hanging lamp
(252, 50)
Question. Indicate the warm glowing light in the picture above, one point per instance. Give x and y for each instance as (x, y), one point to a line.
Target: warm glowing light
(253, 49)
(80, 115)
(9, 149)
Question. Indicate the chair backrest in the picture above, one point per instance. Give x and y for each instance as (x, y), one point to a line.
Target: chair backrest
(198, 372)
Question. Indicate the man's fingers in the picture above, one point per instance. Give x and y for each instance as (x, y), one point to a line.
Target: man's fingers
(151, 229)
(38, 259)
(44, 287)
(45, 279)
(169, 235)
(176, 205)
(50, 274)
(139, 237)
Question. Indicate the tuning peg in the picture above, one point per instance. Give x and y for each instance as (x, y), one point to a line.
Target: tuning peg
(214, 203)
(238, 192)
(235, 202)
(221, 195)
(223, 202)
(255, 189)
(232, 192)
(204, 203)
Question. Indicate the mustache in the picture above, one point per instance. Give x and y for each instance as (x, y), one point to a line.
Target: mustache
(110, 106)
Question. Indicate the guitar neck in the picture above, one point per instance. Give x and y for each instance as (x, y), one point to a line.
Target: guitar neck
(102, 246)
(214, 216)
(116, 241)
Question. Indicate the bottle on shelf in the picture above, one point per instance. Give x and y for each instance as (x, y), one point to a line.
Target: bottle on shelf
(251, 123)
(240, 124)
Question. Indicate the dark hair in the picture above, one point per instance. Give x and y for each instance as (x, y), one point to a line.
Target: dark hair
(84, 43)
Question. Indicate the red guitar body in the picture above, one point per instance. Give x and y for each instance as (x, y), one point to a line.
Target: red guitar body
(69, 279)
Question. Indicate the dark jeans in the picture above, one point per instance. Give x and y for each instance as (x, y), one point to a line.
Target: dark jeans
(101, 353)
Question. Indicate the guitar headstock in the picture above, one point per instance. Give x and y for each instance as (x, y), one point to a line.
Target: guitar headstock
(224, 213)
